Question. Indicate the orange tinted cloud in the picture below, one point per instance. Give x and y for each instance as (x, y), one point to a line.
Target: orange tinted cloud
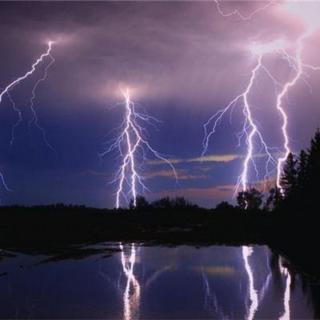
(220, 158)
(217, 192)
(182, 175)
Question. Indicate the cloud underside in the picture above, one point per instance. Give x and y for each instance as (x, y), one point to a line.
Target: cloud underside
(221, 158)
(216, 158)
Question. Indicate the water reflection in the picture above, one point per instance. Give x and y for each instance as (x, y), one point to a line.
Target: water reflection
(287, 293)
(253, 295)
(131, 295)
(210, 299)
(214, 282)
(132, 290)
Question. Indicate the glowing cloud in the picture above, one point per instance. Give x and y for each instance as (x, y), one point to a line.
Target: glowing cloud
(305, 11)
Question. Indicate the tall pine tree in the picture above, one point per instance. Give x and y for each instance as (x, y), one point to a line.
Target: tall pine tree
(289, 177)
(313, 166)
(302, 172)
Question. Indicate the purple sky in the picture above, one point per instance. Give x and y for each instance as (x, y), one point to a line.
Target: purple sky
(183, 62)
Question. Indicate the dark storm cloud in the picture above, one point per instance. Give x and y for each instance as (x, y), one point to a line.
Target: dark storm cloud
(178, 50)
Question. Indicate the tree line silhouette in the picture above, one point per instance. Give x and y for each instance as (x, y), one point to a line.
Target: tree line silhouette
(300, 184)
(301, 177)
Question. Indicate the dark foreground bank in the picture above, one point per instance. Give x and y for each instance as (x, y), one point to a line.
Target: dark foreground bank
(63, 230)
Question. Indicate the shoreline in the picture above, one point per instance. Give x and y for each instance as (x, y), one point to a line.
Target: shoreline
(64, 230)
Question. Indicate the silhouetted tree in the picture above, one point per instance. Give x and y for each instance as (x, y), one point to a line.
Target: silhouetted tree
(181, 202)
(302, 173)
(313, 167)
(273, 200)
(289, 179)
(142, 203)
(162, 203)
(224, 206)
(176, 203)
(250, 199)
(301, 176)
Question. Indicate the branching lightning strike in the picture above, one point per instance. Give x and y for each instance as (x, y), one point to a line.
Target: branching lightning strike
(250, 128)
(28, 73)
(7, 91)
(130, 141)
(35, 120)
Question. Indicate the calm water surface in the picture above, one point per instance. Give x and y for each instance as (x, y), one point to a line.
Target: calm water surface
(184, 282)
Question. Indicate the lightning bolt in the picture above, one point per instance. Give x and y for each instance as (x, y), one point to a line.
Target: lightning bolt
(28, 73)
(237, 13)
(7, 91)
(130, 141)
(34, 120)
(299, 71)
(250, 128)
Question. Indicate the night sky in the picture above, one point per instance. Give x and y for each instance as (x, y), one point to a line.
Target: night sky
(183, 61)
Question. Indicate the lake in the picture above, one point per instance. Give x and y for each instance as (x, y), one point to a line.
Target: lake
(154, 282)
